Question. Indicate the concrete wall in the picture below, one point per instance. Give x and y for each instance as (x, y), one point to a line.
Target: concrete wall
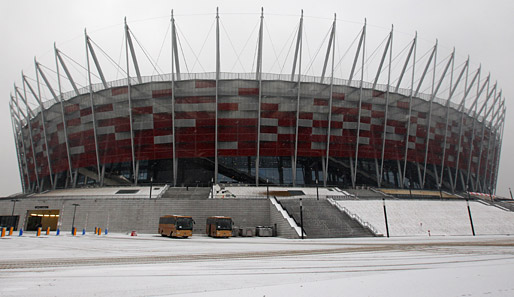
(142, 215)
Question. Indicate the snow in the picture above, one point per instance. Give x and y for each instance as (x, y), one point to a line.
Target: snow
(105, 192)
(252, 192)
(417, 217)
(150, 265)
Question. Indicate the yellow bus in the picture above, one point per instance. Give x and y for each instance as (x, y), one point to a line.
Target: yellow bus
(176, 226)
(219, 226)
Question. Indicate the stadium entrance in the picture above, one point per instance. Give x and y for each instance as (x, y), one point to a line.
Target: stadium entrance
(42, 218)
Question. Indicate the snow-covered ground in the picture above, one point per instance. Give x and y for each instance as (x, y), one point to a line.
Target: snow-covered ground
(150, 265)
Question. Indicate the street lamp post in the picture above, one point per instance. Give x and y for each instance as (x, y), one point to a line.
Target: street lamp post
(151, 186)
(470, 217)
(12, 214)
(385, 216)
(301, 215)
(317, 191)
(510, 194)
(267, 189)
(212, 188)
(74, 212)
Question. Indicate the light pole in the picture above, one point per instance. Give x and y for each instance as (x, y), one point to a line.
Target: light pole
(267, 189)
(12, 214)
(385, 217)
(317, 192)
(212, 188)
(301, 215)
(440, 191)
(151, 186)
(470, 217)
(74, 212)
(510, 194)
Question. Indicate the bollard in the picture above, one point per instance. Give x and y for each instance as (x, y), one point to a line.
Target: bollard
(3, 231)
(58, 232)
(38, 233)
(99, 231)
(21, 232)
(11, 229)
(74, 231)
(106, 231)
(48, 231)
(96, 230)
(84, 231)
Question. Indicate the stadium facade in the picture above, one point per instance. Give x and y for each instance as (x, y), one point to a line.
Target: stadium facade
(258, 128)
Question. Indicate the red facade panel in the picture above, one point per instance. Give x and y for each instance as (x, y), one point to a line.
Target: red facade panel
(248, 91)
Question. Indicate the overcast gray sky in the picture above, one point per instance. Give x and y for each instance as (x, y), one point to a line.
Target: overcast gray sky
(482, 29)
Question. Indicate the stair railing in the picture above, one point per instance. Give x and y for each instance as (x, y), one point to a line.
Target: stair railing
(355, 217)
(296, 226)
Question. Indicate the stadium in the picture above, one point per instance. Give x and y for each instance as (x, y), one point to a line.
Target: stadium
(417, 124)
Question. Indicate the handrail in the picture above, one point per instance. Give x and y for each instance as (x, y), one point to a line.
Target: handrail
(354, 217)
(296, 226)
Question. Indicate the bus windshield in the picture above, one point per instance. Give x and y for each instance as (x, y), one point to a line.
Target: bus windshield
(224, 224)
(185, 223)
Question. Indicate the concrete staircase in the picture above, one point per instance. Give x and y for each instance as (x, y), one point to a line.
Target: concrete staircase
(322, 220)
(189, 193)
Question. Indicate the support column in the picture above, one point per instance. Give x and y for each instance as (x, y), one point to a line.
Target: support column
(493, 183)
(384, 132)
(333, 44)
(16, 143)
(217, 95)
(488, 112)
(93, 109)
(448, 103)
(409, 116)
(128, 44)
(29, 127)
(494, 126)
(258, 75)
(434, 94)
(174, 62)
(58, 59)
(363, 38)
(43, 121)
(461, 109)
(473, 129)
(298, 86)
(61, 102)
